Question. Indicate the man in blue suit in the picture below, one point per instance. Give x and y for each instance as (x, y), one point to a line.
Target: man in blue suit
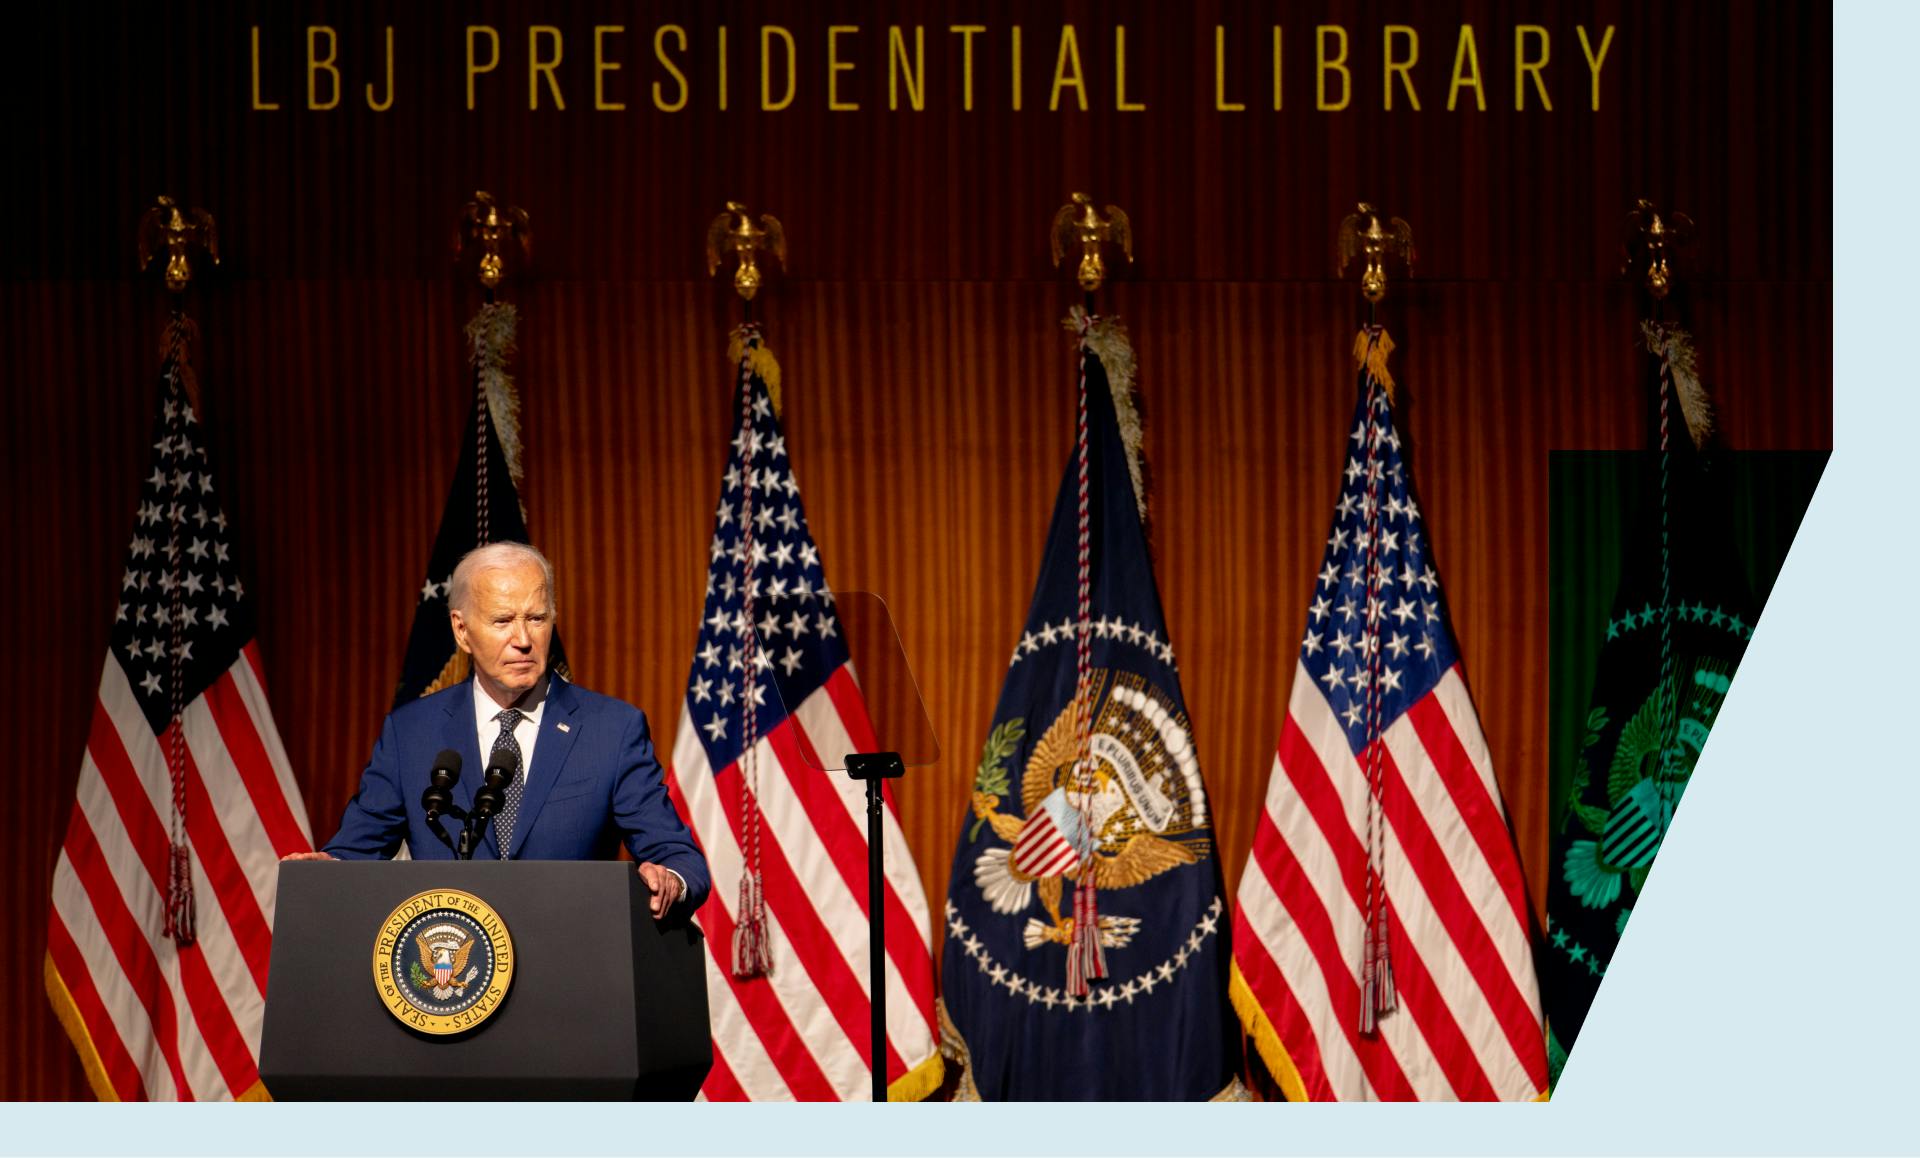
(588, 777)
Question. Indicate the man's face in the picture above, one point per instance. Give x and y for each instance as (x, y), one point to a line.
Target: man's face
(506, 627)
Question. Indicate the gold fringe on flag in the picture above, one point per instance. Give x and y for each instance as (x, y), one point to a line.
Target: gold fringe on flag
(490, 337)
(1370, 349)
(919, 1082)
(954, 1046)
(1108, 340)
(1266, 1041)
(176, 347)
(68, 1015)
(458, 668)
(1675, 346)
(760, 360)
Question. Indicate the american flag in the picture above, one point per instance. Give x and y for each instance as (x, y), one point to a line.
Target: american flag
(800, 1031)
(1380, 713)
(182, 759)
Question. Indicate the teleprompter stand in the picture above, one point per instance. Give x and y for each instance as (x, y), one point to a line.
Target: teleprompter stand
(899, 737)
(876, 768)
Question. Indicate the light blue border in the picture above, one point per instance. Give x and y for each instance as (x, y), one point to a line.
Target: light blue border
(1762, 1002)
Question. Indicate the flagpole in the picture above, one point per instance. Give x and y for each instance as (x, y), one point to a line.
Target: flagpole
(1374, 237)
(165, 225)
(1077, 225)
(735, 234)
(1651, 233)
(487, 226)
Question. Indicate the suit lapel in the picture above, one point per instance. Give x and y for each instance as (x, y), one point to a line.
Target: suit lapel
(549, 756)
(461, 735)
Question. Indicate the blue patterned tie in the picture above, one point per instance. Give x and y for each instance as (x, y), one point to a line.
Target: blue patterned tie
(505, 742)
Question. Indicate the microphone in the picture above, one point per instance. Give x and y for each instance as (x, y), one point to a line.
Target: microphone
(502, 767)
(438, 797)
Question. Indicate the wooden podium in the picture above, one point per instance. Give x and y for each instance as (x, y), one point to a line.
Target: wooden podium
(604, 1002)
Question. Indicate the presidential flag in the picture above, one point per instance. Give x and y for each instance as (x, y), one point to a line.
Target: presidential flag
(162, 917)
(1680, 622)
(482, 507)
(770, 688)
(1381, 937)
(1086, 936)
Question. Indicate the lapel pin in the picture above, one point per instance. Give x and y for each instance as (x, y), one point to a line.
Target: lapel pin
(563, 726)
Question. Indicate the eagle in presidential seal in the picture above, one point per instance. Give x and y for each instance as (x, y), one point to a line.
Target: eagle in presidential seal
(442, 968)
(442, 961)
(1135, 809)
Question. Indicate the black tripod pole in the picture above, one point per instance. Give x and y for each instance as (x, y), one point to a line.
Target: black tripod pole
(877, 938)
(875, 767)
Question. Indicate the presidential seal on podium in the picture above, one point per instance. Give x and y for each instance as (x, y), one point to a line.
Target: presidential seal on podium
(443, 961)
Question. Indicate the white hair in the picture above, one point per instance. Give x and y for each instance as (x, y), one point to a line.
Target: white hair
(494, 557)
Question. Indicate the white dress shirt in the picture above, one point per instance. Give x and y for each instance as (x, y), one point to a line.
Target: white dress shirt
(526, 732)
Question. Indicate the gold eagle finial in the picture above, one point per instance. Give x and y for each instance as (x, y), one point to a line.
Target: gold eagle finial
(733, 232)
(1370, 234)
(489, 226)
(1650, 232)
(166, 225)
(1078, 225)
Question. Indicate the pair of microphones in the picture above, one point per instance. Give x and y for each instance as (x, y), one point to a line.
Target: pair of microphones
(437, 800)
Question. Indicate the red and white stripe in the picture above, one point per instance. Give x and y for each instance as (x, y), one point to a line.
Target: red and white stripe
(153, 1020)
(801, 1032)
(1468, 1025)
(1041, 849)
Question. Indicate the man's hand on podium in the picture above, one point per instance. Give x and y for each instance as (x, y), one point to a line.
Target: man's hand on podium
(308, 856)
(666, 886)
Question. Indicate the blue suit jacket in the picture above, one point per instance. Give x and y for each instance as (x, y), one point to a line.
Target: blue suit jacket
(595, 781)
